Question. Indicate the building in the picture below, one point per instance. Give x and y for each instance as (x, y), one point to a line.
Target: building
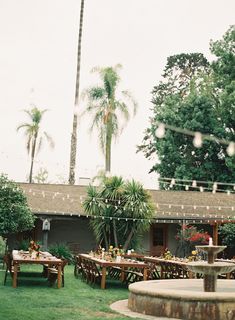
(60, 216)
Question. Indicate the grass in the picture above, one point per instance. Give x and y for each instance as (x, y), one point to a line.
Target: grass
(34, 300)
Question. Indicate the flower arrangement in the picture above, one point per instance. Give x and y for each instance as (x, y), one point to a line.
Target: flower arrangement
(167, 255)
(34, 247)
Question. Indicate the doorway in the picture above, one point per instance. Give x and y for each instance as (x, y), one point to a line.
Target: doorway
(158, 239)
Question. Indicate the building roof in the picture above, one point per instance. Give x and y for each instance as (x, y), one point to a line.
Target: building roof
(205, 207)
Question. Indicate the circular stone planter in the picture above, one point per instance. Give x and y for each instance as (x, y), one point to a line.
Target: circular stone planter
(183, 299)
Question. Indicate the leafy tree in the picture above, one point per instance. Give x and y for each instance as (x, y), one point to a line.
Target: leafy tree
(15, 214)
(73, 145)
(107, 110)
(193, 95)
(227, 233)
(33, 135)
(121, 211)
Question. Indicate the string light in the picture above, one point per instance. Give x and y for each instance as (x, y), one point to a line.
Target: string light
(160, 131)
(197, 140)
(198, 136)
(231, 149)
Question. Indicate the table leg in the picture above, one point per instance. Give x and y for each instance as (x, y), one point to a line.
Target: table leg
(14, 282)
(59, 277)
(123, 275)
(103, 278)
(145, 275)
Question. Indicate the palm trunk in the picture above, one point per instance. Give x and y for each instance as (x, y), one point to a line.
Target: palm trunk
(127, 242)
(32, 158)
(115, 234)
(108, 151)
(73, 146)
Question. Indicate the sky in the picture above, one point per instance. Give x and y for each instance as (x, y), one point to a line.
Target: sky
(38, 59)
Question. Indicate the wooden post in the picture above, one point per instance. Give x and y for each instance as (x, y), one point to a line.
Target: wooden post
(215, 234)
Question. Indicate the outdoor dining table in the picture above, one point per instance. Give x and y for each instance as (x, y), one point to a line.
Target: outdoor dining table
(124, 264)
(23, 257)
(171, 268)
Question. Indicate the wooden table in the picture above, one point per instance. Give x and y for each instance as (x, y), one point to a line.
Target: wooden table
(124, 264)
(172, 269)
(23, 257)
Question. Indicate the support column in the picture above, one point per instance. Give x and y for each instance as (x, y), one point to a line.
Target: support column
(215, 234)
(45, 231)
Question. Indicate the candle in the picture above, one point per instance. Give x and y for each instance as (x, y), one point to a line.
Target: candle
(210, 242)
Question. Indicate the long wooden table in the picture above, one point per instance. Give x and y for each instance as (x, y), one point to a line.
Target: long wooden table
(23, 257)
(124, 264)
(173, 269)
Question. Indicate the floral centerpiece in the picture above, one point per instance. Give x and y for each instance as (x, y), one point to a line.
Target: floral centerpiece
(34, 249)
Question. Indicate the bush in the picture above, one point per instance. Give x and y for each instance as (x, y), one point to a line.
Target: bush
(2, 247)
(62, 251)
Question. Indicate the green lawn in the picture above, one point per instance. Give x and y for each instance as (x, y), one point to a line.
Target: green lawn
(34, 300)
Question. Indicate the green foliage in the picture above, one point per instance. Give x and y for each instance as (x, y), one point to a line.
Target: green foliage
(15, 214)
(23, 245)
(42, 176)
(187, 237)
(227, 233)
(121, 211)
(197, 96)
(33, 135)
(2, 247)
(107, 110)
(61, 250)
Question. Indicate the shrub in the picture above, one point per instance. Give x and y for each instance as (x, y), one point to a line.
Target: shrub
(62, 251)
(2, 247)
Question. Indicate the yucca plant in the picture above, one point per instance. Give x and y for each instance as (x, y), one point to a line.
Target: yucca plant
(121, 211)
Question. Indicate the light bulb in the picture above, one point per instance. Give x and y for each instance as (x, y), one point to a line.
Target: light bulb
(197, 141)
(231, 149)
(194, 183)
(160, 131)
(215, 186)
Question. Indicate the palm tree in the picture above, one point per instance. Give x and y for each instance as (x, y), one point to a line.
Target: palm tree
(73, 145)
(121, 211)
(32, 132)
(107, 109)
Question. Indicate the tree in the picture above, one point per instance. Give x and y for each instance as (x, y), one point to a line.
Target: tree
(15, 214)
(73, 145)
(107, 109)
(196, 103)
(34, 136)
(121, 211)
(227, 233)
(42, 176)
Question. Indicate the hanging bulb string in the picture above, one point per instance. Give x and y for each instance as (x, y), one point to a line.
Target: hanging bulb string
(200, 188)
(166, 216)
(198, 136)
(197, 181)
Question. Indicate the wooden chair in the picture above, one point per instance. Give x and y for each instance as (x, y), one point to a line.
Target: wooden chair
(52, 273)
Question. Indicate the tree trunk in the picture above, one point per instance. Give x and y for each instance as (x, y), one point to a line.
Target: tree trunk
(32, 158)
(73, 146)
(127, 242)
(115, 234)
(108, 150)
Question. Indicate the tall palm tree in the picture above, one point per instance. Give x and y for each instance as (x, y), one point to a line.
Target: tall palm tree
(73, 145)
(107, 109)
(32, 132)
